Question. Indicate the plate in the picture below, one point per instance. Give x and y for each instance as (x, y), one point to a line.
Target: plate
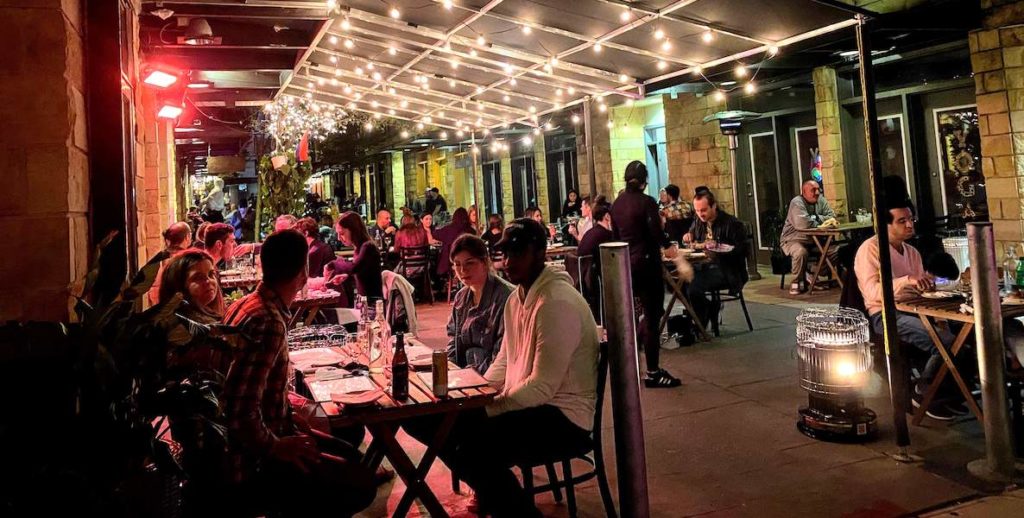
(939, 295)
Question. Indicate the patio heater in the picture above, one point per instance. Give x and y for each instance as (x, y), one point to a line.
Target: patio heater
(834, 354)
(730, 122)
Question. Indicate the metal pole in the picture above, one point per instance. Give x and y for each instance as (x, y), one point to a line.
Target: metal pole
(473, 151)
(588, 136)
(998, 463)
(631, 461)
(898, 389)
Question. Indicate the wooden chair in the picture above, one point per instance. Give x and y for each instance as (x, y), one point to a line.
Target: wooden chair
(414, 265)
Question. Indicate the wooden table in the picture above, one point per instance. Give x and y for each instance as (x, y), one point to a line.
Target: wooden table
(385, 417)
(932, 310)
(676, 286)
(824, 238)
(243, 282)
(559, 251)
(311, 306)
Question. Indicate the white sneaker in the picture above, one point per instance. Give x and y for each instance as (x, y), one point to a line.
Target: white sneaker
(669, 342)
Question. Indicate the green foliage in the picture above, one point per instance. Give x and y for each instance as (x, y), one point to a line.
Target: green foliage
(281, 191)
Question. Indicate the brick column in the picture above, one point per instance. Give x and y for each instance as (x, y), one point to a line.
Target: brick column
(698, 153)
(602, 155)
(830, 139)
(44, 201)
(540, 174)
(997, 59)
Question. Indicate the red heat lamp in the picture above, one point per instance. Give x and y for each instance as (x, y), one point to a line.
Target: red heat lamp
(170, 109)
(160, 78)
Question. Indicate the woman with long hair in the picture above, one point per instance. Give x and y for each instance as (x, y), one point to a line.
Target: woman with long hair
(476, 325)
(365, 265)
(638, 223)
(495, 227)
(572, 204)
(474, 219)
(447, 235)
(193, 274)
(410, 234)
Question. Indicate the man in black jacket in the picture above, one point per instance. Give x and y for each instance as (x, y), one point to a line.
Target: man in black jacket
(590, 246)
(638, 223)
(725, 239)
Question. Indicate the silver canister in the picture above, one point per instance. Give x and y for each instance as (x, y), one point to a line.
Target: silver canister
(439, 373)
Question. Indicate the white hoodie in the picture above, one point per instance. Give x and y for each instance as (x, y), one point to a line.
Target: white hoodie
(549, 353)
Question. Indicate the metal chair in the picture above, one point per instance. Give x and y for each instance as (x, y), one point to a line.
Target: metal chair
(591, 453)
(413, 264)
(717, 298)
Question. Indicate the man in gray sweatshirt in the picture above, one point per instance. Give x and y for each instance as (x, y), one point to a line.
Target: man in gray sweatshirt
(809, 210)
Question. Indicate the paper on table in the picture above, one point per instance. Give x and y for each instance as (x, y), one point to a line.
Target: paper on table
(457, 379)
(322, 390)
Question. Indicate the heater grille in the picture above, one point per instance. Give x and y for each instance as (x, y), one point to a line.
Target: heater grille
(833, 349)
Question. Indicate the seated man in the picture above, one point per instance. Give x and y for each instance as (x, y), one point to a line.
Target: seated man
(726, 270)
(590, 246)
(220, 244)
(546, 375)
(809, 210)
(383, 231)
(909, 280)
(676, 216)
(273, 457)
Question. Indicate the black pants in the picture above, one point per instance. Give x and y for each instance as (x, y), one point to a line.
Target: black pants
(709, 278)
(482, 451)
(285, 490)
(649, 289)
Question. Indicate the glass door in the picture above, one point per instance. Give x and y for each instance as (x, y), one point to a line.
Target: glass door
(765, 177)
(492, 189)
(524, 184)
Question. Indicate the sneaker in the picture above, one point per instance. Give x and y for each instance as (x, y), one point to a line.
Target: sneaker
(669, 342)
(661, 379)
(796, 288)
(937, 411)
(957, 408)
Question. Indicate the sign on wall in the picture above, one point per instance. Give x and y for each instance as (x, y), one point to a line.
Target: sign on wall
(959, 143)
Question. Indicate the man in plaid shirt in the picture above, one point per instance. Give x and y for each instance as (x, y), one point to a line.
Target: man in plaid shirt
(271, 459)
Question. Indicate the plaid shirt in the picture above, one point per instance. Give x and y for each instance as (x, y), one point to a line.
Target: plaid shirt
(676, 210)
(255, 394)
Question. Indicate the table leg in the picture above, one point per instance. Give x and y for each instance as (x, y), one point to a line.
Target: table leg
(947, 366)
(412, 475)
(828, 261)
(311, 315)
(677, 294)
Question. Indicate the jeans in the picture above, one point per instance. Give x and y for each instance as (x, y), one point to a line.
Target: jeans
(708, 278)
(482, 451)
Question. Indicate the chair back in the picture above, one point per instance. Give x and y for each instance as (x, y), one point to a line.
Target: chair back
(602, 382)
(415, 259)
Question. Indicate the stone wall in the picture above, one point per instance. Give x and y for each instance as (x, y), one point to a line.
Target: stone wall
(156, 193)
(997, 59)
(540, 172)
(830, 138)
(602, 155)
(698, 153)
(397, 183)
(44, 202)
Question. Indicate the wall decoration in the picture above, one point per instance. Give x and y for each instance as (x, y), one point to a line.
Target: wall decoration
(959, 143)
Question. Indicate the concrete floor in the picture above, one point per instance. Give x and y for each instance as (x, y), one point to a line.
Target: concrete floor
(725, 443)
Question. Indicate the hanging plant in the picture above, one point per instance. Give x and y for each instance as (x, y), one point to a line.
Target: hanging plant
(282, 189)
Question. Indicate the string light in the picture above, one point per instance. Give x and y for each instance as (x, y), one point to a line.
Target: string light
(451, 83)
(333, 40)
(659, 34)
(536, 131)
(597, 48)
(480, 40)
(602, 107)
(533, 109)
(405, 134)
(698, 70)
(376, 76)
(419, 125)
(666, 46)
(444, 135)
(459, 133)
(572, 90)
(740, 70)
(506, 98)
(395, 13)
(334, 59)
(547, 126)
(719, 95)
(623, 78)
(662, 65)
(773, 50)
(472, 52)
(392, 51)
(575, 119)
(512, 81)
(750, 88)
(391, 111)
(708, 36)
(527, 140)
(368, 126)
(447, 4)
(370, 66)
(625, 16)
(345, 25)
(527, 29)
(358, 71)
(455, 64)
(349, 44)
(337, 72)
(558, 92)
(610, 124)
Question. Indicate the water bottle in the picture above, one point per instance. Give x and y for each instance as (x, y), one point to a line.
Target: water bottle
(1009, 267)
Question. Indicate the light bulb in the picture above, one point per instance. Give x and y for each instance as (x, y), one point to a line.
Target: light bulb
(480, 40)
(662, 65)
(377, 116)
(358, 71)
(472, 52)
(333, 40)
(629, 102)
(455, 64)
(368, 126)
(395, 13)
(536, 131)
(666, 46)
(419, 125)
(459, 133)
(623, 77)
(337, 71)
(527, 29)
(625, 15)
(740, 70)
(698, 71)
(610, 124)
(310, 85)
(750, 88)
(527, 141)
(512, 81)
(533, 109)
(392, 90)
(598, 47)
(719, 95)
(405, 134)
(404, 104)
(554, 61)
(602, 107)
(376, 76)
(708, 36)
(428, 119)
(451, 83)
(572, 90)
(448, 46)
(334, 59)
(345, 25)
(392, 51)
(447, 4)
(487, 132)
(547, 126)
(444, 135)
(773, 50)
(334, 82)
(659, 34)
(391, 111)
(369, 65)
(558, 92)
(575, 119)
(547, 67)
(440, 114)
(479, 89)
(506, 98)
(374, 104)
(349, 44)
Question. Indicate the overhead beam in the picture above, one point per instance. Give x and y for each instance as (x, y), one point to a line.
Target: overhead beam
(198, 58)
(237, 10)
(717, 28)
(362, 109)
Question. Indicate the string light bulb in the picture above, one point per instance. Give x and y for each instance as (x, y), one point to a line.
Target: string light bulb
(698, 70)
(480, 40)
(395, 13)
(740, 70)
(333, 40)
(575, 119)
(345, 24)
(526, 29)
(610, 124)
(368, 125)
(472, 52)
(404, 104)
(349, 44)
(572, 90)
(451, 83)
(719, 95)
(547, 126)
(659, 34)
(602, 107)
(598, 48)
(623, 78)
(625, 16)
(662, 64)
(708, 36)
(419, 125)
(444, 135)
(536, 131)
(750, 88)
(773, 50)
(405, 134)
(392, 51)
(506, 98)
(666, 46)
(512, 81)
(376, 76)
(527, 140)
(459, 133)
(447, 4)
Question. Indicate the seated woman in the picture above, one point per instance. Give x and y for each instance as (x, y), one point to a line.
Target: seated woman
(320, 253)
(495, 225)
(410, 235)
(365, 265)
(476, 325)
(192, 274)
(427, 221)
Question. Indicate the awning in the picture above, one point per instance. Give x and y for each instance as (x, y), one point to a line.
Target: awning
(474, 65)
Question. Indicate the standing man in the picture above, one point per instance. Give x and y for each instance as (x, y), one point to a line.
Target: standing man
(273, 457)
(809, 210)
(728, 266)
(638, 223)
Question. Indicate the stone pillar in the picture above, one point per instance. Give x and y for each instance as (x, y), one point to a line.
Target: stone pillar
(508, 204)
(397, 181)
(602, 155)
(626, 141)
(44, 202)
(830, 139)
(997, 60)
(155, 177)
(540, 174)
(698, 153)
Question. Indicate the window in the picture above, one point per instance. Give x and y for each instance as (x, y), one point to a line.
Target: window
(562, 173)
(765, 177)
(492, 189)
(524, 184)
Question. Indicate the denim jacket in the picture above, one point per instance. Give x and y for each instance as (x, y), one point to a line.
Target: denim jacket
(475, 333)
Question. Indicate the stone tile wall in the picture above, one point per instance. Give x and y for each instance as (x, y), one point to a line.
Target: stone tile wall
(830, 138)
(698, 153)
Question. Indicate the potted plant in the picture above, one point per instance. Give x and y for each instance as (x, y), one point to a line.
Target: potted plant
(95, 398)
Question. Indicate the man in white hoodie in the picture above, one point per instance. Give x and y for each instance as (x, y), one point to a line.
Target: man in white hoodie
(546, 374)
